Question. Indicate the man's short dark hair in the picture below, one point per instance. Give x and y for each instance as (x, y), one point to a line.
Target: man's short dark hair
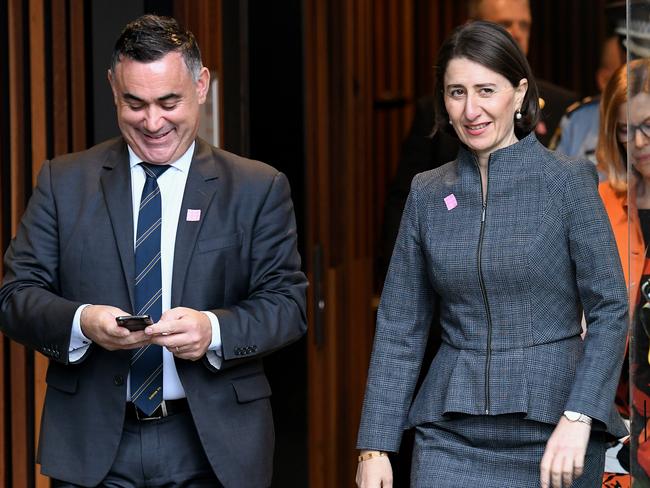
(151, 37)
(489, 45)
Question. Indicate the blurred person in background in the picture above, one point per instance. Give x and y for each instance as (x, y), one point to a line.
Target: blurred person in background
(626, 195)
(577, 134)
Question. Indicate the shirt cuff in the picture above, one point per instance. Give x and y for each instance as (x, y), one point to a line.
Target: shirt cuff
(215, 354)
(79, 343)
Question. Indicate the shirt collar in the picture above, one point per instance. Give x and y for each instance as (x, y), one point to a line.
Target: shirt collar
(181, 164)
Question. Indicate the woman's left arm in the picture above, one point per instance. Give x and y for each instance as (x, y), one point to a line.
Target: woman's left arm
(602, 290)
(601, 286)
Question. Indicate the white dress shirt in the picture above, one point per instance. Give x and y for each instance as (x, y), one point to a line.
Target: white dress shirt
(171, 184)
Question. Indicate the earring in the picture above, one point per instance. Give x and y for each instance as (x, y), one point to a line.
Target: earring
(449, 121)
(518, 114)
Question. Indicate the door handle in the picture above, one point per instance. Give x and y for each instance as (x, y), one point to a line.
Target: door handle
(319, 297)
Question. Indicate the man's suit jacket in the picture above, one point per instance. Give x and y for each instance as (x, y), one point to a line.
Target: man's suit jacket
(240, 261)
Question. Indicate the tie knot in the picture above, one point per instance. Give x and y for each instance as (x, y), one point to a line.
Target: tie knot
(154, 170)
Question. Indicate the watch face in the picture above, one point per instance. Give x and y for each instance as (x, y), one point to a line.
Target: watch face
(572, 416)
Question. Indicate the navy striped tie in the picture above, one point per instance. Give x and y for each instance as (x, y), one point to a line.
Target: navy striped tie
(146, 362)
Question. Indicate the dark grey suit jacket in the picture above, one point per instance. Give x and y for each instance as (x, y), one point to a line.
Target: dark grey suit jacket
(75, 246)
(511, 281)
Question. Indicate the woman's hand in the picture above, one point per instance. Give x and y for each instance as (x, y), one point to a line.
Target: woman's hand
(564, 456)
(375, 472)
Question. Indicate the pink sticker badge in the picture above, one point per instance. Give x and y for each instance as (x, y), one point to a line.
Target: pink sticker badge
(193, 215)
(450, 201)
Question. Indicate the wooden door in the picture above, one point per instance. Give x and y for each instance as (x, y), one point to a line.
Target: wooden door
(358, 84)
(339, 244)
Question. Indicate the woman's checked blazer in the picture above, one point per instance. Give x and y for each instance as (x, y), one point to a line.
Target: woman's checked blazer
(511, 278)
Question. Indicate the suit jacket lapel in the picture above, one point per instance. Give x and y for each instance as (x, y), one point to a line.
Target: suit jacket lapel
(116, 185)
(199, 190)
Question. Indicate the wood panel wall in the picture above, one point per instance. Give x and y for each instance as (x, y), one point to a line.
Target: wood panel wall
(393, 92)
(43, 87)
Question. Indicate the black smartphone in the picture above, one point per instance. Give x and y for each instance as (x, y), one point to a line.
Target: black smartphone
(134, 322)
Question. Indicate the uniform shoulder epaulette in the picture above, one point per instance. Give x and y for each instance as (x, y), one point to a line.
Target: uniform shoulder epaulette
(581, 103)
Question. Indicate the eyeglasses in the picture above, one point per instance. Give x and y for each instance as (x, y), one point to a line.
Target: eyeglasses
(623, 129)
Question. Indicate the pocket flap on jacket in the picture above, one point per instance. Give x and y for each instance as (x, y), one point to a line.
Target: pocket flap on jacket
(251, 388)
(219, 242)
(58, 377)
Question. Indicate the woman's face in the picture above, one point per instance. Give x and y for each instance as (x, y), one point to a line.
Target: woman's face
(635, 135)
(481, 105)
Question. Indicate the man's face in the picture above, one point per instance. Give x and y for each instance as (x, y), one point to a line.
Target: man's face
(158, 106)
(514, 15)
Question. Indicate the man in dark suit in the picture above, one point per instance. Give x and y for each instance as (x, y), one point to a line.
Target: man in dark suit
(184, 402)
(421, 152)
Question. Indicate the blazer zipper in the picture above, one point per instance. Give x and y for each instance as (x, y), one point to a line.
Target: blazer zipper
(488, 356)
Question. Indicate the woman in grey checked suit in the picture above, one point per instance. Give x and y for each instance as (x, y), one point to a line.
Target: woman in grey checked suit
(511, 242)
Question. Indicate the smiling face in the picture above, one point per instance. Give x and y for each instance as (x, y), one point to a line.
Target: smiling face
(158, 106)
(481, 105)
(637, 143)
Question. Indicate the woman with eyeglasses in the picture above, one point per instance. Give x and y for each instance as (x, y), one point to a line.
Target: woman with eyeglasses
(624, 143)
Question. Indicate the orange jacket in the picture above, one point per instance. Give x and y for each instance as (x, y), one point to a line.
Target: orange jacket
(632, 257)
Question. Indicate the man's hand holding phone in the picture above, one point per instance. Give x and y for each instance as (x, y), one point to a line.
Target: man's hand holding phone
(134, 322)
(99, 323)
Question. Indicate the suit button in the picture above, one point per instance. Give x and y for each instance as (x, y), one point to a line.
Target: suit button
(118, 380)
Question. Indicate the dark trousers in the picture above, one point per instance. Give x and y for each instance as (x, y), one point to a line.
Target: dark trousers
(165, 453)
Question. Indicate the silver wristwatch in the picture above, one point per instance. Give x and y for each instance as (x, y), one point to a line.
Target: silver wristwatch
(577, 417)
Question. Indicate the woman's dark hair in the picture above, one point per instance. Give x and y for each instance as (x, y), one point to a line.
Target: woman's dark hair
(151, 37)
(489, 45)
